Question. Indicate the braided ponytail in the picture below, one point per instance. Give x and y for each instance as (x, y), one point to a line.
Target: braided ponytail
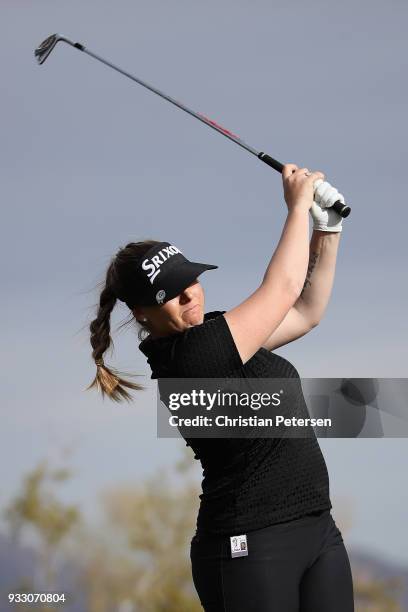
(107, 380)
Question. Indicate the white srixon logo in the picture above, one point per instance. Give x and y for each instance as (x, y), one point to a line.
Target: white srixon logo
(152, 266)
(160, 295)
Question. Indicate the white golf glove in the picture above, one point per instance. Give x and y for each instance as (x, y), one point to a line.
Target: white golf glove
(325, 219)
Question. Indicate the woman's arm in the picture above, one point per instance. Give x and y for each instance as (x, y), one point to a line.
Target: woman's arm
(309, 308)
(256, 318)
(317, 288)
(253, 321)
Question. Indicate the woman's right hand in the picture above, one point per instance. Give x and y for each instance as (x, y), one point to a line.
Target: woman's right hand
(297, 187)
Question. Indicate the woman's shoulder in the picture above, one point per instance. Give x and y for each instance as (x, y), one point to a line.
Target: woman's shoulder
(209, 341)
(203, 350)
(213, 314)
(206, 350)
(149, 344)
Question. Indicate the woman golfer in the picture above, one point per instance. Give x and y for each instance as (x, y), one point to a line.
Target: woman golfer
(265, 538)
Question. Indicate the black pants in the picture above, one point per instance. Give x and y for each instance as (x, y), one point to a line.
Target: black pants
(298, 566)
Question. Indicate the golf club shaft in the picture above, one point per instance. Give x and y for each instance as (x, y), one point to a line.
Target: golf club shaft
(205, 120)
(338, 206)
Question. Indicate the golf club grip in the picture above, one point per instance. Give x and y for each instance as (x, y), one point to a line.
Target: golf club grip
(342, 209)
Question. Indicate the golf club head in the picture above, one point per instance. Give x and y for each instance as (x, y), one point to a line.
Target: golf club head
(45, 48)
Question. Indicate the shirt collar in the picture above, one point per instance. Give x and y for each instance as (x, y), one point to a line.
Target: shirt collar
(150, 345)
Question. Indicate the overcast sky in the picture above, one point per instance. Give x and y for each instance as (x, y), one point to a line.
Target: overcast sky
(91, 161)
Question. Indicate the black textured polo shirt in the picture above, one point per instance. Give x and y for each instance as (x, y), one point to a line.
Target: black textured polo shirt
(247, 483)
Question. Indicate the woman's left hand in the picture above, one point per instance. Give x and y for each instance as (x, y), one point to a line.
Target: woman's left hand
(325, 219)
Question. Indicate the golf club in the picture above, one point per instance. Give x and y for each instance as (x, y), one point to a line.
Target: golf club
(46, 47)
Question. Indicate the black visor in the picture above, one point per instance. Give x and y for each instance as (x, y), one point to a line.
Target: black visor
(161, 275)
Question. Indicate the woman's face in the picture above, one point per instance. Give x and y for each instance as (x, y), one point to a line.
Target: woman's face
(176, 315)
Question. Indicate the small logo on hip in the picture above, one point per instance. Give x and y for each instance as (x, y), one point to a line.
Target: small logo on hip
(239, 546)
